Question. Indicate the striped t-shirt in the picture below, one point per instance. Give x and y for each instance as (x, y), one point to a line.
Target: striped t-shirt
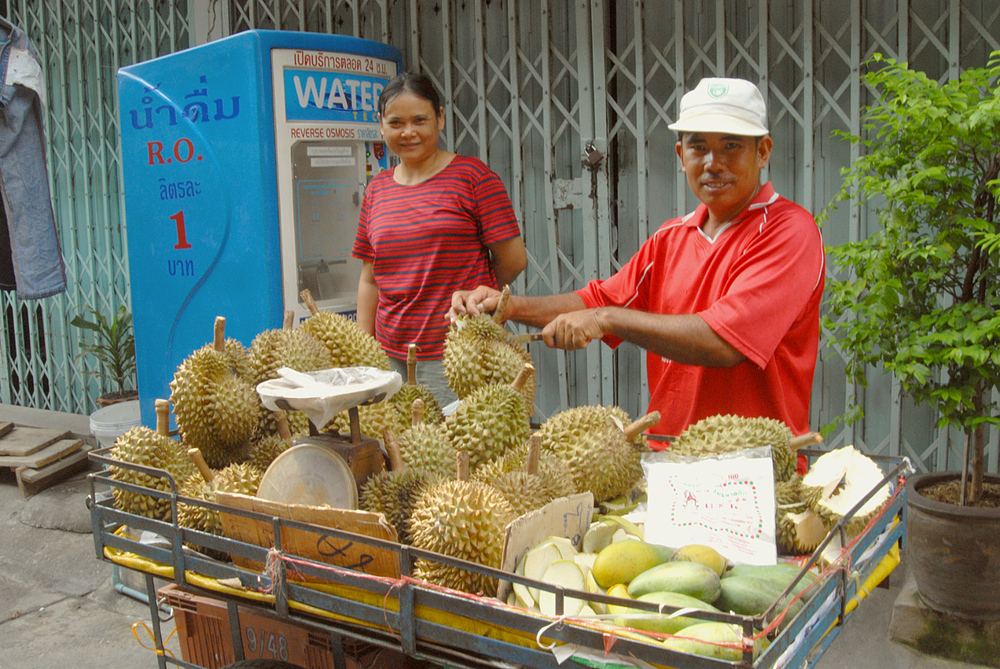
(427, 241)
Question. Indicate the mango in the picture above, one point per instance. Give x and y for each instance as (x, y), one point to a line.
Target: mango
(750, 596)
(620, 562)
(688, 578)
(781, 574)
(662, 623)
(702, 639)
(701, 554)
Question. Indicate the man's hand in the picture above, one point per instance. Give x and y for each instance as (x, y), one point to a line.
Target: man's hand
(473, 302)
(573, 330)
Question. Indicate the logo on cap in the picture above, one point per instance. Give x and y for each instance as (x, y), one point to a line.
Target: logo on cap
(718, 90)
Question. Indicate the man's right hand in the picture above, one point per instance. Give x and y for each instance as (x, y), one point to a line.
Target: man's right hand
(473, 302)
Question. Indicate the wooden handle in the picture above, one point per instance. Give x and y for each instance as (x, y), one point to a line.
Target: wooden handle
(411, 364)
(641, 425)
(162, 417)
(219, 339)
(396, 462)
(807, 439)
(199, 462)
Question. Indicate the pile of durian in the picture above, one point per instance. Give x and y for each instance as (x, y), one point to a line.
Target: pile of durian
(807, 506)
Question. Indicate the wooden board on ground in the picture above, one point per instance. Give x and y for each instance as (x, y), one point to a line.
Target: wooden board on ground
(5, 427)
(47, 455)
(21, 441)
(31, 480)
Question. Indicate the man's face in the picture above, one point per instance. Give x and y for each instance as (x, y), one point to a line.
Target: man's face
(723, 170)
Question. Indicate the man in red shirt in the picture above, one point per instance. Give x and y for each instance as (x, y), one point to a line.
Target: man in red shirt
(725, 300)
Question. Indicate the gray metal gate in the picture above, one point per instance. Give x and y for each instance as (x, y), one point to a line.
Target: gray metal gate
(569, 103)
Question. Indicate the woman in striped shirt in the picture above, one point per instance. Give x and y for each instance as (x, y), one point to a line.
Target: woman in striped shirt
(435, 223)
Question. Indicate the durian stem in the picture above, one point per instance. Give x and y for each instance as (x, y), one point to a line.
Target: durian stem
(534, 452)
(392, 446)
(417, 412)
(219, 340)
(289, 320)
(501, 305)
(522, 376)
(199, 462)
(411, 364)
(641, 425)
(281, 418)
(462, 462)
(310, 303)
(162, 417)
(807, 439)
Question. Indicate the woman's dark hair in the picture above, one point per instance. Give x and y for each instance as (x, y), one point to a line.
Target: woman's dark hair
(413, 82)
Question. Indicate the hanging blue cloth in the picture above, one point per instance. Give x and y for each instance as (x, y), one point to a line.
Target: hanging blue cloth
(34, 251)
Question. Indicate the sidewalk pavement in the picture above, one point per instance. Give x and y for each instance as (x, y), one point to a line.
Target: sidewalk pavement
(59, 606)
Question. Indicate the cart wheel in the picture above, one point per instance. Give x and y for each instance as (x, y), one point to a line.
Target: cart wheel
(261, 664)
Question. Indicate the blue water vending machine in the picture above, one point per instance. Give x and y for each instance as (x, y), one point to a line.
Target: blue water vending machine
(245, 162)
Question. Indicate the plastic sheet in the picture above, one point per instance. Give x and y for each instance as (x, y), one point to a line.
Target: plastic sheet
(323, 394)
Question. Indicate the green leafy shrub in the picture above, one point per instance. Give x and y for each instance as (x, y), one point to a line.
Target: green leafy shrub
(115, 345)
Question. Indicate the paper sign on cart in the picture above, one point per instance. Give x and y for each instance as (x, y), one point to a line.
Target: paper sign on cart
(726, 503)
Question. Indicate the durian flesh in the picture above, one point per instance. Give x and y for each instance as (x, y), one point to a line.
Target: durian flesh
(837, 481)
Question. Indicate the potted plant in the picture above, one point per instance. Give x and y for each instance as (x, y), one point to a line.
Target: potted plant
(920, 298)
(114, 350)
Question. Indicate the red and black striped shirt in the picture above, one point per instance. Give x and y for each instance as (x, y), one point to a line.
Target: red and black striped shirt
(427, 241)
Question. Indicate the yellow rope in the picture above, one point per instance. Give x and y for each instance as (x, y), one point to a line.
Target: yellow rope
(150, 633)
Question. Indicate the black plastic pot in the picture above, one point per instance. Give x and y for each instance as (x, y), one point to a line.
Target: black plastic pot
(954, 551)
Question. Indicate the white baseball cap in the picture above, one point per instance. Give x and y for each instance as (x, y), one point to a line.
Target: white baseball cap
(723, 105)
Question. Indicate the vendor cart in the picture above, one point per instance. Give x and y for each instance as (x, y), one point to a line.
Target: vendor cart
(318, 609)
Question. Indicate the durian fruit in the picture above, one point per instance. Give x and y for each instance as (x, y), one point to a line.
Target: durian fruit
(286, 347)
(525, 487)
(597, 450)
(394, 492)
(142, 446)
(796, 531)
(411, 390)
(557, 475)
(216, 409)
(348, 344)
(839, 480)
(202, 485)
(373, 419)
(268, 447)
(478, 352)
(490, 421)
(425, 445)
(465, 520)
(726, 433)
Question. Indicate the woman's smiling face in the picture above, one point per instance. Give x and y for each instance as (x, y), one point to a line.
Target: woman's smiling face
(410, 126)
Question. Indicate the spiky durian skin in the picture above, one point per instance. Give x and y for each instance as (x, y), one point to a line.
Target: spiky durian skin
(216, 409)
(476, 354)
(465, 520)
(403, 402)
(348, 344)
(266, 449)
(725, 433)
(143, 446)
(593, 447)
(394, 493)
(488, 423)
(294, 348)
(372, 420)
(239, 359)
(555, 475)
(239, 478)
(526, 492)
(426, 446)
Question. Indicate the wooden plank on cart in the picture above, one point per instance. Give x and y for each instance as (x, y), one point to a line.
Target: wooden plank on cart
(40, 458)
(31, 480)
(21, 441)
(5, 427)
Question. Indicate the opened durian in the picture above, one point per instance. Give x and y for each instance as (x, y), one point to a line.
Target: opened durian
(490, 421)
(142, 446)
(462, 519)
(726, 433)
(216, 409)
(837, 481)
(393, 493)
(597, 449)
(478, 352)
(411, 390)
(425, 445)
(348, 344)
